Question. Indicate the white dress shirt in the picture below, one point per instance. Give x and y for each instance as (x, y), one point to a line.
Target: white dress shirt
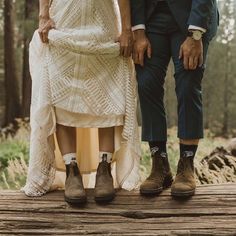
(191, 27)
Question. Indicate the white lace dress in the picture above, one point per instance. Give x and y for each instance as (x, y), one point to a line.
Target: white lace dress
(80, 80)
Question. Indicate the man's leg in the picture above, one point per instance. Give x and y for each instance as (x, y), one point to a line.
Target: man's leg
(151, 79)
(151, 93)
(190, 117)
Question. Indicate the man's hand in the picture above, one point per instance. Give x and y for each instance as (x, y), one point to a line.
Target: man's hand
(126, 43)
(141, 45)
(45, 25)
(191, 51)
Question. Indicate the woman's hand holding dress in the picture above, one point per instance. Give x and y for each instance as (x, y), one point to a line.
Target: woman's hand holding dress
(45, 21)
(126, 43)
(45, 25)
(126, 37)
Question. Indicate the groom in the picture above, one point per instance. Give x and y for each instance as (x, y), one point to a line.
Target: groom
(179, 30)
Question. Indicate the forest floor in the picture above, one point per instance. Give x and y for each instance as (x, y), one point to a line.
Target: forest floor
(14, 155)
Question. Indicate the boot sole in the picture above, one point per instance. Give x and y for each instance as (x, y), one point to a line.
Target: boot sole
(76, 200)
(167, 183)
(104, 198)
(183, 194)
(149, 192)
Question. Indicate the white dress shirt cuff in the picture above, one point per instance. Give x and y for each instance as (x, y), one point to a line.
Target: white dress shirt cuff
(193, 27)
(138, 27)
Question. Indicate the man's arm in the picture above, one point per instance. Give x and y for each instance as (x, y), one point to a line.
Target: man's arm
(141, 42)
(200, 13)
(138, 14)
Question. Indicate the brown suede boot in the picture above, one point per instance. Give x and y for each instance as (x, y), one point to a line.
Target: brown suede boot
(184, 184)
(74, 189)
(160, 177)
(104, 189)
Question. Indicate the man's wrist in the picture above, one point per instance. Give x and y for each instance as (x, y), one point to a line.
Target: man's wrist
(195, 34)
(191, 38)
(138, 27)
(194, 27)
(140, 32)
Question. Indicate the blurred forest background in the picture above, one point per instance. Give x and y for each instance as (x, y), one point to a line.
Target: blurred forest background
(19, 19)
(219, 86)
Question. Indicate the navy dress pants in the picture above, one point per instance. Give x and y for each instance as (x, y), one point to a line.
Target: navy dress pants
(166, 39)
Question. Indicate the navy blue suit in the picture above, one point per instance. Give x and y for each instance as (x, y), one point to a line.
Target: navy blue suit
(166, 28)
(202, 13)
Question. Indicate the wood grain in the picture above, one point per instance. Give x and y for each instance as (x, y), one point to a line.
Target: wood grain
(212, 211)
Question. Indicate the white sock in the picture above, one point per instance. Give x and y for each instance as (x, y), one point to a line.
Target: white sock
(105, 156)
(69, 157)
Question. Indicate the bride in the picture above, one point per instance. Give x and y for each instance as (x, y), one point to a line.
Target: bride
(82, 77)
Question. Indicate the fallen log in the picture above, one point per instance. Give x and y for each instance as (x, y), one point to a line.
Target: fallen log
(218, 167)
(212, 211)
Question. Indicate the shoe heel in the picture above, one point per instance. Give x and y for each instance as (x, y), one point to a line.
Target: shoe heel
(168, 182)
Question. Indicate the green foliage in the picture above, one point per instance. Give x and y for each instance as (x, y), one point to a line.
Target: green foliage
(14, 156)
(13, 149)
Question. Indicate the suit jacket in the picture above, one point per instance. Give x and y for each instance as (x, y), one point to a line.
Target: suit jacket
(202, 13)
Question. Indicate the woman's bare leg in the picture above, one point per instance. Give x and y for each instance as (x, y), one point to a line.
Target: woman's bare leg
(104, 188)
(106, 140)
(74, 188)
(66, 138)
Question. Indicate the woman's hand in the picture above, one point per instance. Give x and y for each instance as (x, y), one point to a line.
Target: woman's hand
(126, 43)
(126, 37)
(45, 25)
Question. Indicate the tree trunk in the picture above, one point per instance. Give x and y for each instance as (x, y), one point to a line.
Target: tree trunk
(26, 86)
(225, 128)
(11, 80)
(30, 18)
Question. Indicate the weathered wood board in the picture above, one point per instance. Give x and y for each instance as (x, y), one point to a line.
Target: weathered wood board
(212, 211)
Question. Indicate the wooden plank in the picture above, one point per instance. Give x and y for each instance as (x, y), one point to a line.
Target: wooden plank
(212, 211)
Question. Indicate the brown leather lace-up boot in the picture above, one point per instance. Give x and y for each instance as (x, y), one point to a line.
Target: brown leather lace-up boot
(104, 189)
(160, 177)
(74, 189)
(184, 184)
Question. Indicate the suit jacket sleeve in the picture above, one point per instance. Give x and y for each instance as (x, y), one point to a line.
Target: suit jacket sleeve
(201, 12)
(138, 12)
